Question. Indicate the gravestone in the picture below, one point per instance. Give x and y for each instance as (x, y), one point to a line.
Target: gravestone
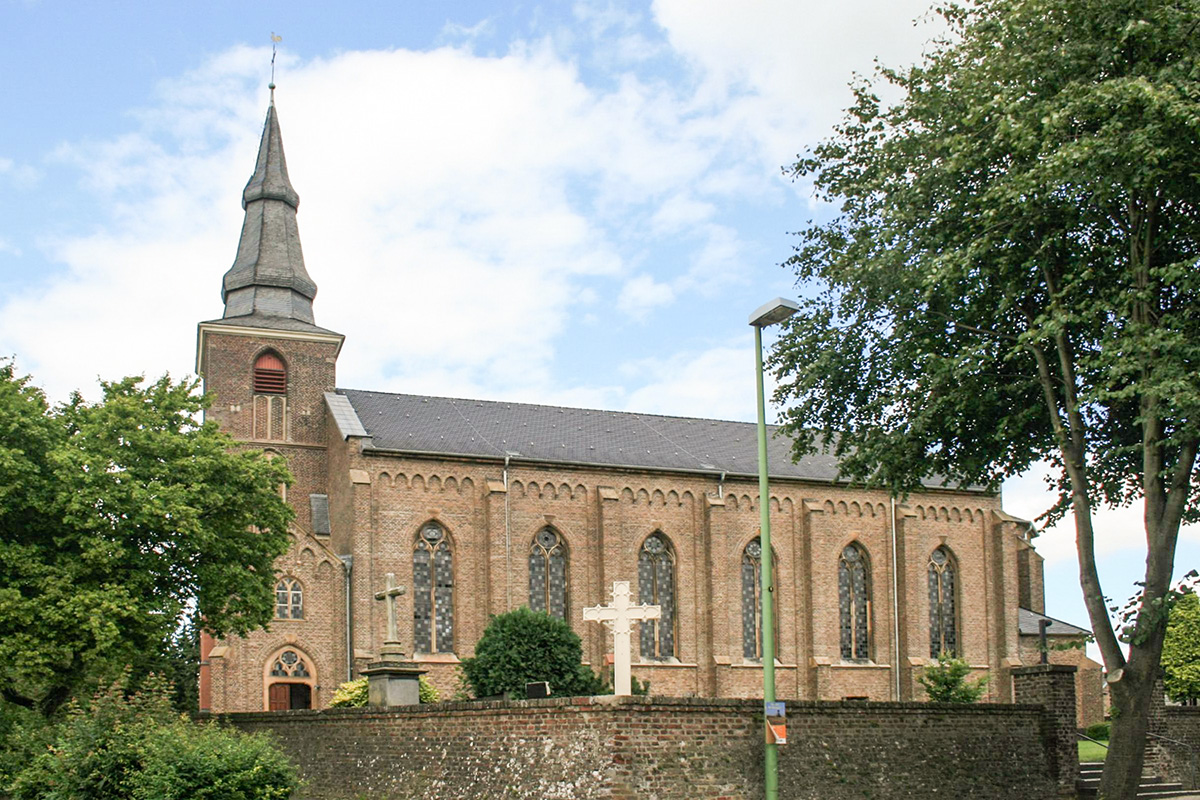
(619, 617)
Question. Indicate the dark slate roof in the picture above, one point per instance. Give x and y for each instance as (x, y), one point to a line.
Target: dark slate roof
(1027, 624)
(484, 428)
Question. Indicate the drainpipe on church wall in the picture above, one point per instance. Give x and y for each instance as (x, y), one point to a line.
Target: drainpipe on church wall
(348, 571)
(895, 608)
(507, 542)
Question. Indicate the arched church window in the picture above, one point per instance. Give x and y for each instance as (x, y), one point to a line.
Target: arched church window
(943, 623)
(548, 573)
(289, 664)
(752, 594)
(289, 599)
(433, 591)
(270, 375)
(854, 603)
(656, 586)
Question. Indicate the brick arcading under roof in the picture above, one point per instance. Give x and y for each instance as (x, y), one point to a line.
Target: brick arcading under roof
(485, 428)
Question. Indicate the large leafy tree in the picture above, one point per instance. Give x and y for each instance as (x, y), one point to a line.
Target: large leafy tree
(1012, 279)
(1181, 650)
(116, 519)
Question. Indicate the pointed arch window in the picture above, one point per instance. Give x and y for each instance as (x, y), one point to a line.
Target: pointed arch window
(289, 599)
(854, 603)
(752, 594)
(433, 591)
(656, 586)
(943, 622)
(548, 573)
(270, 375)
(289, 664)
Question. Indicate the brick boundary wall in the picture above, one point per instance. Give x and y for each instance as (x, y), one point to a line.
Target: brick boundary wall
(1053, 687)
(1183, 724)
(607, 748)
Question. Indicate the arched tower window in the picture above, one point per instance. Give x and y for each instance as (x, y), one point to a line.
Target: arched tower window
(943, 623)
(270, 398)
(289, 599)
(656, 586)
(752, 594)
(854, 603)
(270, 375)
(548, 573)
(433, 591)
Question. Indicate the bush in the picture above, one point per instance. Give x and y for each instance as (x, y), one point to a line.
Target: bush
(524, 646)
(1099, 731)
(945, 681)
(138, 748)
(353, 694)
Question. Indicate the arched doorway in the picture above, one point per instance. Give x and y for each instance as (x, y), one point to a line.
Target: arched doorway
(289, 680)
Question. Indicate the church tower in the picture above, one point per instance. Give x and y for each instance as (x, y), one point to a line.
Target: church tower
(267, 366)
(265, 361)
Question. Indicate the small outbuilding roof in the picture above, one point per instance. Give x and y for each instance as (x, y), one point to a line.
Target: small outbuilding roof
(1027, 624)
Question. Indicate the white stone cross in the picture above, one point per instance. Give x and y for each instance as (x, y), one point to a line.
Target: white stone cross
(389, 596)
(618, 616)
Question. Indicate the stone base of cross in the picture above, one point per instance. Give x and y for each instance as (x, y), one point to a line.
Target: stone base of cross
(619, 617)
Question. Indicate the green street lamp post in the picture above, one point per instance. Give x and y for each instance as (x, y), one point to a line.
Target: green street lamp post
(770, 314)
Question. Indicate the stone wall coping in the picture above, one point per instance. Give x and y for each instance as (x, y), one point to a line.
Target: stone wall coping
(1044, 669)
(1195, 710)
(612, 703)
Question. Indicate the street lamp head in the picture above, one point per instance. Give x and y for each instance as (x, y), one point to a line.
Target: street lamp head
(775, 311)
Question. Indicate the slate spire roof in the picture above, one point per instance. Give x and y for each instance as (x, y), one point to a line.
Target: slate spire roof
(268, 286)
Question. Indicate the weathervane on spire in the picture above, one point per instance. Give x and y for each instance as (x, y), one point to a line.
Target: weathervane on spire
(274, 41)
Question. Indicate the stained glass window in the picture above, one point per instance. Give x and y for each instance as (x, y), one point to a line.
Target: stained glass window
(854, 602)
(548, 574)
(943, 627)
(289, 599)
(433, 592)
(656, 586)
(289, 665)
(752, 600)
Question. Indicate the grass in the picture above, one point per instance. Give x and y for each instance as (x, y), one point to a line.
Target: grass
(1090, 751)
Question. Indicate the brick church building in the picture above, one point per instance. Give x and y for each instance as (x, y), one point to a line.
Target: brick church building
(479, 506)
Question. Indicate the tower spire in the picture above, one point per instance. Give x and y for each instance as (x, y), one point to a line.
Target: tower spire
(268, 278)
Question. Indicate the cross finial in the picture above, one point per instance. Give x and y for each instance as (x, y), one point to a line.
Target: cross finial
(274, 40)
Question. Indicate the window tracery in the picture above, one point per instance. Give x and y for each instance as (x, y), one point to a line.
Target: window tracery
(289, 665)
(656, 586)
(854, 602)
(943, 623)
(548, 574)
(433, 591)
(289, 599)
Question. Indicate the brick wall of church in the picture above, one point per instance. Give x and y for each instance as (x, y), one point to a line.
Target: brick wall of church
(668, 748)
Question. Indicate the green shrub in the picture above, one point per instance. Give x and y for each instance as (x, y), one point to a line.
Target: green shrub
(1099, 731)
(945, 681)
(138, 748)
(524, 646)
(353, 694)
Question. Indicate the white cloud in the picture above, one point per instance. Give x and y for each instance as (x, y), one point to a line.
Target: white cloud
(717, 383)
(642, 294)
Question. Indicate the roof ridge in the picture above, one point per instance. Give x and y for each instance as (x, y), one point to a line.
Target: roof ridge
(553, 406)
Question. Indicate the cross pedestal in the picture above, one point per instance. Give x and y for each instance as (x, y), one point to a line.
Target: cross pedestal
(392, 681)
(619, 617)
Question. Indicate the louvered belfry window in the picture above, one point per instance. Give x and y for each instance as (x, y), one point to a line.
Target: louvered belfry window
(270, 376)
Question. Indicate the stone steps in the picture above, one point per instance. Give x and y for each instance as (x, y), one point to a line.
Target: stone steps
(1151, 787)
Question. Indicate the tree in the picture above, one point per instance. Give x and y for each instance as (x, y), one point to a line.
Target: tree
(524, 646)
(137, 747)
(116, 518)
(1181, 650)
(1011, 279)
(946, 681)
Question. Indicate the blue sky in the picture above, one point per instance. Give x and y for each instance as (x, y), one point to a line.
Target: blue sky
(574, 203)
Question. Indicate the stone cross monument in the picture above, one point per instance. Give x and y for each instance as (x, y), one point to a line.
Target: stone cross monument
(392, 681)
(619, 617)
(391, 645)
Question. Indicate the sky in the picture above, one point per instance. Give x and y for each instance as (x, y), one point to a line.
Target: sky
(574, 203)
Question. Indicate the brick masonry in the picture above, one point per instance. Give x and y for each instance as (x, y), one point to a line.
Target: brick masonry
(1182, 723)
(666, 748)
(1053, 687)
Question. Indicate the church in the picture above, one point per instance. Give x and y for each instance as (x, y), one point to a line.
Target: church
(477, 507)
